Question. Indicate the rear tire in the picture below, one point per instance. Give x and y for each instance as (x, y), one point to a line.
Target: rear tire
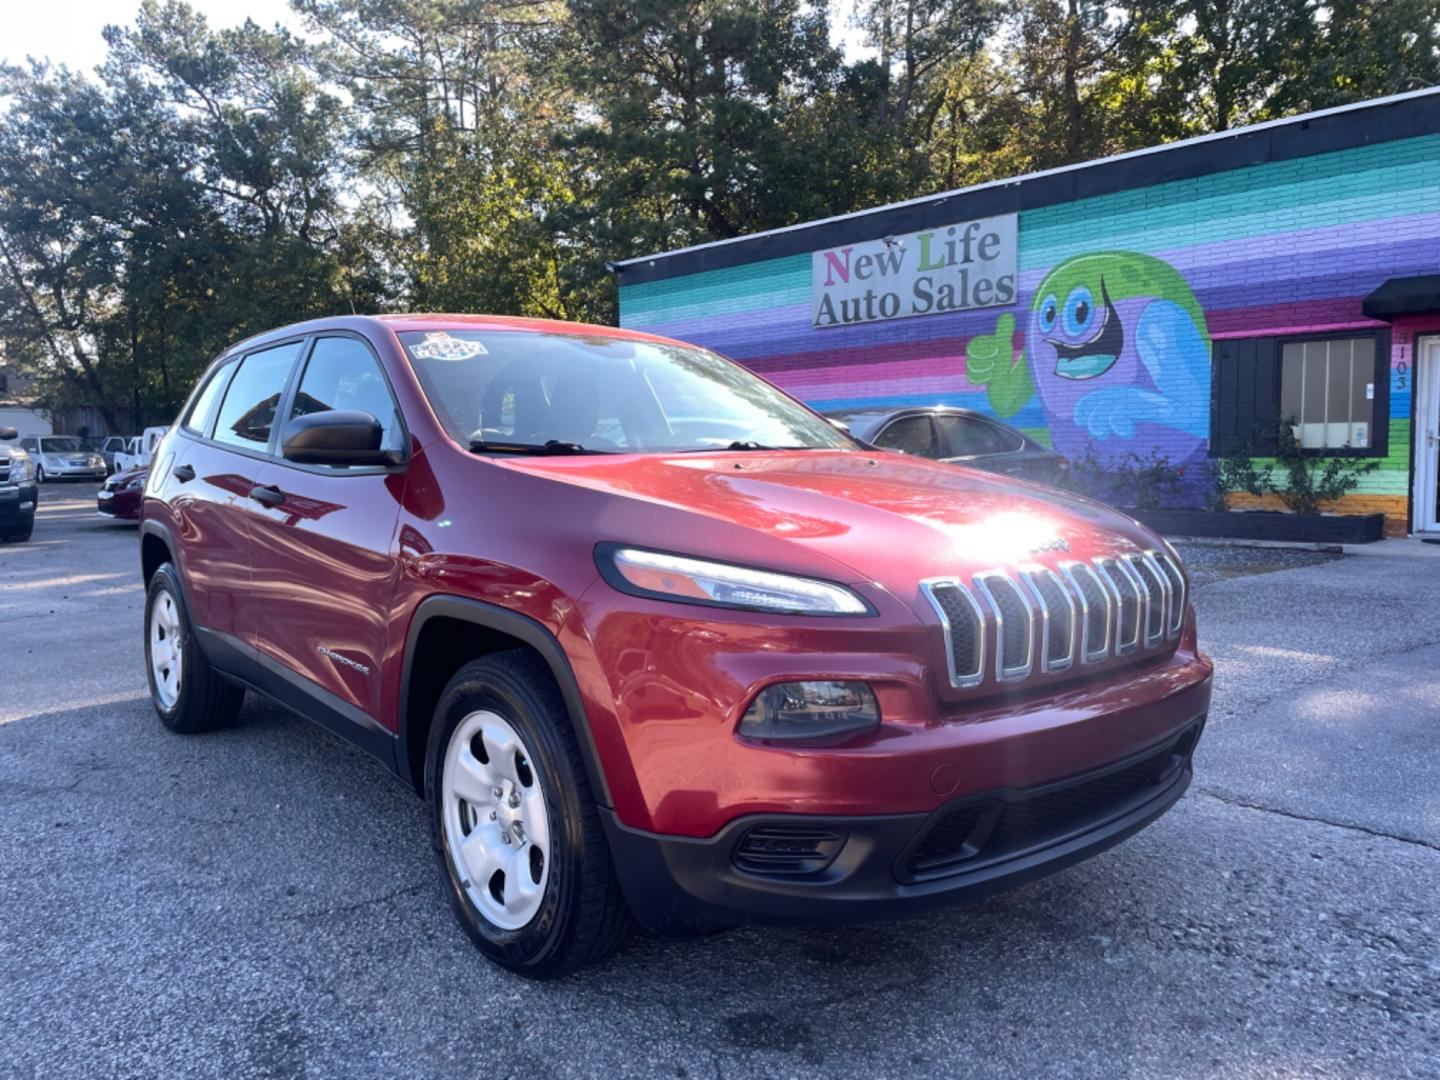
(502, 726)
(188, 694)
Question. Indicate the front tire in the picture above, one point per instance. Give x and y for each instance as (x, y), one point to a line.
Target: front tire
(23, 533)
(39, 474)
(188, 694)
(520, 842)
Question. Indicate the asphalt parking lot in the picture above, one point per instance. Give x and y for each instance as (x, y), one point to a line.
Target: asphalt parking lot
(263, 902)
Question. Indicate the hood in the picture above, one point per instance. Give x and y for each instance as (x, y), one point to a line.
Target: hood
(888, 518)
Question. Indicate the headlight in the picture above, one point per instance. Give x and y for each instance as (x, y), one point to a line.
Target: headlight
(22, 469)
(699, 581)
(820, 711)
(136, 484)
(96, 461)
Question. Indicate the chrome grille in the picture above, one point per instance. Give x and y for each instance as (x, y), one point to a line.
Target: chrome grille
(1014, 624)
(1057, 618)
(1129, 600)
(964, 629)
(1081, 615)
(1097, 611)
(1177, 594)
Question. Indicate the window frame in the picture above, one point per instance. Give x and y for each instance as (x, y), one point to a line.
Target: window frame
(287, 405)
(271, 452)
(213, 372)
(267, 453)
(1256, 447)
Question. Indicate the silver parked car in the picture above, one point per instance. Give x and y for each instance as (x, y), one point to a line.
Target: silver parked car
(64, 457)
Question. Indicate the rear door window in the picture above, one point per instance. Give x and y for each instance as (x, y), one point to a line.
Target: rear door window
(248, 413)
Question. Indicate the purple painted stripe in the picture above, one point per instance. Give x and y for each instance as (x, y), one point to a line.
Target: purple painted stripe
(886, 367)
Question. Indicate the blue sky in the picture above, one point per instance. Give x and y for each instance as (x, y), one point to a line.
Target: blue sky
(68, 31)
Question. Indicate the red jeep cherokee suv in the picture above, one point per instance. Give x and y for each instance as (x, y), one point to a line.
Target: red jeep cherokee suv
(653, 639)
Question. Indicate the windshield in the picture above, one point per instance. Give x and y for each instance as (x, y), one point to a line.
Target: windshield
(521, 389)
(62, 445)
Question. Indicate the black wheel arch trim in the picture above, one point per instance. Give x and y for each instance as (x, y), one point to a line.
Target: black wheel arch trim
(529, 632)
(161, 531)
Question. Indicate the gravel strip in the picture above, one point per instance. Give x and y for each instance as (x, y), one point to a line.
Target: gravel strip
(1209, 563)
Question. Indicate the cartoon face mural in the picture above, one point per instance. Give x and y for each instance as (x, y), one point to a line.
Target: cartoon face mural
(1115, 343)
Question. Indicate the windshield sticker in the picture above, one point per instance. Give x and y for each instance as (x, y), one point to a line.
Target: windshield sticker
(441, 346)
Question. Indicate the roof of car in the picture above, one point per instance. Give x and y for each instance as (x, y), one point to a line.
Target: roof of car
(954, 410)
(400, 323)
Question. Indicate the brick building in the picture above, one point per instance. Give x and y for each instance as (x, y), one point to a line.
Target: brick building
(1184, 299)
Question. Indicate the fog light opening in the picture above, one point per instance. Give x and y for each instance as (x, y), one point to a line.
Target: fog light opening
(815, 711)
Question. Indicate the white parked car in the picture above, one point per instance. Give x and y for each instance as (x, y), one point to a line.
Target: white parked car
(64, 457)
(139, 450)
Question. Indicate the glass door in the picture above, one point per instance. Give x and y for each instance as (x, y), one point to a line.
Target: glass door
(1427, 435)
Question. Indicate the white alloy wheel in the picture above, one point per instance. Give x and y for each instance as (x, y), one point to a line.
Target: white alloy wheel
(496, 829)
(166, 653)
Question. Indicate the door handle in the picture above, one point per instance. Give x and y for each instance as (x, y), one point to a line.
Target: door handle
(266, 495)
(183, 473)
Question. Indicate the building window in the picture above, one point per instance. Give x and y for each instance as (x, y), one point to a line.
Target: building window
(1332, 388)
(1327, 389)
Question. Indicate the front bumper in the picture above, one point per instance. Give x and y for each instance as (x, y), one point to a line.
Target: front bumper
(794, 868)
(75, 472)
(17, 503)
(121, 505)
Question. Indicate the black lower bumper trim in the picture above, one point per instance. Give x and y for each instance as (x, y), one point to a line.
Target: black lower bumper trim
(679, 884)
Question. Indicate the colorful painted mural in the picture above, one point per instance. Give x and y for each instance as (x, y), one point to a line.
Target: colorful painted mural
(1287, 247)
(1115, 344)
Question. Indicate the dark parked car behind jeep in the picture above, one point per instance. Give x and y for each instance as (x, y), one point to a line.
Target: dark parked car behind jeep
(958, 437)
(653, 639)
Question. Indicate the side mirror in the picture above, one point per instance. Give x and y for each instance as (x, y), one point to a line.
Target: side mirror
(335, 437)
(8, 433)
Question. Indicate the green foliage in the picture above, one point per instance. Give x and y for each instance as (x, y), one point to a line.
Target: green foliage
(1312, 479)
(1139, 481)
(1238, 473)
(1152, 480)
(1088, 475)
(1308, 480)
(495, 154)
